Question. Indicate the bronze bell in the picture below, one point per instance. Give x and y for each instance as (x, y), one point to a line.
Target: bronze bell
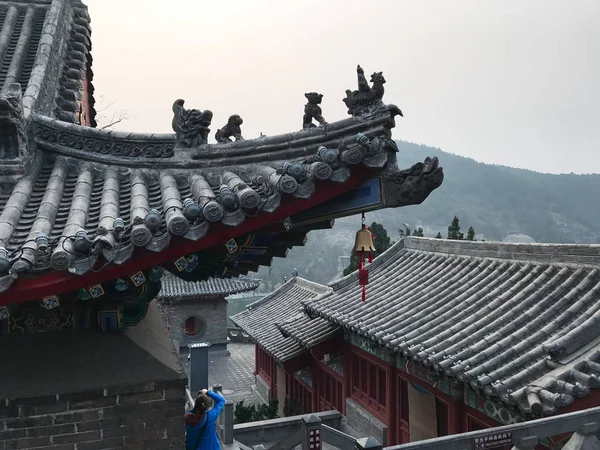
(364, 241)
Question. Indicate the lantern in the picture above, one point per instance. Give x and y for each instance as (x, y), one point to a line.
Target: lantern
(364, 246)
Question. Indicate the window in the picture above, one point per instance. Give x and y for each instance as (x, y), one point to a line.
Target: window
(195, 326)
(369, 382)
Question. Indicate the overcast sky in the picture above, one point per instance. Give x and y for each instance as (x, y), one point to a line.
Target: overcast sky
(512, 82)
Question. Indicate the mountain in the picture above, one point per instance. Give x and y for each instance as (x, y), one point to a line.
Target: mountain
(497, 201)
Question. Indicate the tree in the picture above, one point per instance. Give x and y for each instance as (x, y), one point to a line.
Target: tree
(471, 234)
(106, 117)
(454, 230)
(253, 413)
(418, 232)
(381, 240)
(438, 236)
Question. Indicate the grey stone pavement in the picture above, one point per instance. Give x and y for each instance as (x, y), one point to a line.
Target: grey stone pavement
(234, 373)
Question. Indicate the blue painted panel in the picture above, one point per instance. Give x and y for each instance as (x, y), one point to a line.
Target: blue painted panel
(366, 196)
(109, 321)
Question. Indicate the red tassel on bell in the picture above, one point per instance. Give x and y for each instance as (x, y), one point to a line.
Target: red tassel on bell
(363, 280)
(364, 244)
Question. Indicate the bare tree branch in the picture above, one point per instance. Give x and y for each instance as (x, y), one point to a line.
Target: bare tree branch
(102, 117)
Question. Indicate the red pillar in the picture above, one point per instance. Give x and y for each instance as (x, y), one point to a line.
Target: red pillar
(315, 384)
(347, 386)
(255, 359)
(456, 411)
(273, 379)
(390, 402)
(457, 415)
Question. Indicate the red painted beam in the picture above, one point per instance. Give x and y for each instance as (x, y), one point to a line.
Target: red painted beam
(56, 283)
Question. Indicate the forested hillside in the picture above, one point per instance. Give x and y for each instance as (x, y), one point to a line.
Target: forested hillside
(494, 200)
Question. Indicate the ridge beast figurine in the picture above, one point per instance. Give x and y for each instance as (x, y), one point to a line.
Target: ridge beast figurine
(312, 110)
(232, 129)
(190, 125)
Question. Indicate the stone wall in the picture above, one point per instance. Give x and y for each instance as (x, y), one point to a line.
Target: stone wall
(262, 389)
(364, 422)
(141, 416)
(544, 253)
(211, 312)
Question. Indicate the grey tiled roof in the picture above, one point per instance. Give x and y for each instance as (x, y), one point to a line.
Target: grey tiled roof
(85, 179)
(306, 331)
(520, 321)
(260, 319)
(45, 48)
(175, 288)
(75, 198)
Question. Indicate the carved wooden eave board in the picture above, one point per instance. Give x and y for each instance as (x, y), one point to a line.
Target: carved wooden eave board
(80, 206)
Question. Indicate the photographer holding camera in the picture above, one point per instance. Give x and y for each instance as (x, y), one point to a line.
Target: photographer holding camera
(200, 422)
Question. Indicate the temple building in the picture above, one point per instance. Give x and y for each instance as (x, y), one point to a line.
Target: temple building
(453, 336)
(91, 219)
(196, 311)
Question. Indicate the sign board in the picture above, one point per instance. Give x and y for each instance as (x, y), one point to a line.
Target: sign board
(493, 440)
(314, 439)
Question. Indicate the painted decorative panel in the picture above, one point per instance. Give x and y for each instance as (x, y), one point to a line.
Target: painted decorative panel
(369, 347)
(363, 198)
(106, 307)
(437, 381)
(493, 409)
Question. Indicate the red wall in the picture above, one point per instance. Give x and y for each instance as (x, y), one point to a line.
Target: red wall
(454, 416)
(84, 107)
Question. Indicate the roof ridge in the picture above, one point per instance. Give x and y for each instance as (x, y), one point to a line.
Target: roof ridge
(534, 252)
(285, 287)
(171, 284)
(47, 50)
(317, 288)
(379, 260)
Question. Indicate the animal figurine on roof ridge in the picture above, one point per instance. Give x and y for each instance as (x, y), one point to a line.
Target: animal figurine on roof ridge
(366, 98)
(232, 129)
(312, 110)
(191, 126)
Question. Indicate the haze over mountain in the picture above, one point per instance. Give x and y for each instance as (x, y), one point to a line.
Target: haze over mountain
(498, 202)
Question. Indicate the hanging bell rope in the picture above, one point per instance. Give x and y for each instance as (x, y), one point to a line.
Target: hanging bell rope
(364, 247)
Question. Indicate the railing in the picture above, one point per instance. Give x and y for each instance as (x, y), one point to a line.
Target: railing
(238, 335)
(526, 435)
(307, 431)
(189, 400)
(225, 421)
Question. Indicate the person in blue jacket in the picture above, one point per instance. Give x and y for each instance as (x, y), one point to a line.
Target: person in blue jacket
(200, 422)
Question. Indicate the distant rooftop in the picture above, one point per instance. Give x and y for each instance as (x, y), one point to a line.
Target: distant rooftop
(518, 321)
(261, 318)
(178, 289)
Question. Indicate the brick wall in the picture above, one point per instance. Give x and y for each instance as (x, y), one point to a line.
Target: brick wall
(148, 416)
(364, 422)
